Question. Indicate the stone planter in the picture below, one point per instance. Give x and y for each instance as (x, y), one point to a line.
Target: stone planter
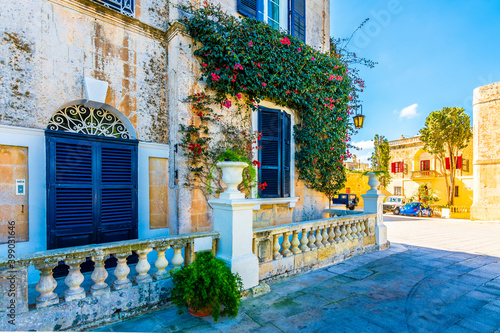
(232, 176)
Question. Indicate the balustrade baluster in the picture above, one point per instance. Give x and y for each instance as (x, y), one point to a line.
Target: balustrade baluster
(355, 230)
(121, 271)
(276, 246)
(295, 242)
(161, 262)
(46, 285)
(338, 233)
(73, 280)
(324, 236)
(304, 240)
(99, 275)
(312, 240)
(177, 259)
(363, 229)
(319, 243)
(358, 227)
(344, 232)
(349, 232)
(331, 234)
(286, 245)
(143, 266)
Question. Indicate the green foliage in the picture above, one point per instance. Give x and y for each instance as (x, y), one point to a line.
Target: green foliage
(425, 195)
(445, 133)
(247, 61)
(207, 284)
(380, 159)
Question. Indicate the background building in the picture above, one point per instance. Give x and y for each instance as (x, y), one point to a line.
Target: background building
(410, 166)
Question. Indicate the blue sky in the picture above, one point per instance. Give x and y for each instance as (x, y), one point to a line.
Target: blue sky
(430, 54)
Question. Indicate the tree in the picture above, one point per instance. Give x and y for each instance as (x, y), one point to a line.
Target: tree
(425, 195)
(380, 159)
(445, 133)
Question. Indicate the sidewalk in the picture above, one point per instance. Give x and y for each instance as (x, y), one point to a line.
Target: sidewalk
(406, 288)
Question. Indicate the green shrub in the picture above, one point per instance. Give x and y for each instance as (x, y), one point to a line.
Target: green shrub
(207, 284)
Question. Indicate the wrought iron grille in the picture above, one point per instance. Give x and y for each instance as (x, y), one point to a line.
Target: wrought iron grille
(86, 120)
(126, 7)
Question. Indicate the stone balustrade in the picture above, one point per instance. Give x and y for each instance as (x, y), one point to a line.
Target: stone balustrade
(103, 298)
(291, 248)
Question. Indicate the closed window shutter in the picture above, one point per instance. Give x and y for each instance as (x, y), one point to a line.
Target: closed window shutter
(251, 8)
(393, 167)
(118, 193)
(447, 163)
(298, 19)
(459, 162)
(287, 133)
(270, 154)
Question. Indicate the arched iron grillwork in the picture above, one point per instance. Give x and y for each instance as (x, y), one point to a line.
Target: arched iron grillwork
(87, 120)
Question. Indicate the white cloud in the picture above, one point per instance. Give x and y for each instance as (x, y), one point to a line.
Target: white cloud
(409, 112)
(368, 144)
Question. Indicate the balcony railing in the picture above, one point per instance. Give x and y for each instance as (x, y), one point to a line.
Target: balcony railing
(424, 174)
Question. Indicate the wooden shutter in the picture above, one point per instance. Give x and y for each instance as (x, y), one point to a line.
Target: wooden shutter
(459, 162)
(270, 154)
(91, 189)
(287, 139)
(447, 163)
(251, 8)
(393, 167)
(297, 24)
(118, 190)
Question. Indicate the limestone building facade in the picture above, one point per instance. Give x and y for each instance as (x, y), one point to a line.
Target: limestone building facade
(90, 109)
(486, 111)
(410, 166)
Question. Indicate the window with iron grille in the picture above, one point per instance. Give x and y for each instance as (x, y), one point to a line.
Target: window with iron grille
(126, 7)
(275, 153)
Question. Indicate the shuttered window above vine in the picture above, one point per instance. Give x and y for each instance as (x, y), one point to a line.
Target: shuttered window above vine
(275, 152)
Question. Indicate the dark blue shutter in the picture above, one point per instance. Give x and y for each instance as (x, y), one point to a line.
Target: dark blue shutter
(287, 139)
(91, 189)
(270, 152)
(297, 23)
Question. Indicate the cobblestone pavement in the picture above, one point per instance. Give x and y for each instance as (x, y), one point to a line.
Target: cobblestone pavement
(438, 276)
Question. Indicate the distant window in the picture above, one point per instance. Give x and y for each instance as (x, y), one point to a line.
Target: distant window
(126, 7)
(397, 167)
(456, 191)
(425, 165)
(398, 190)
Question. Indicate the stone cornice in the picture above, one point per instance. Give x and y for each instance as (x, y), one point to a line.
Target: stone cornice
(104, 14)
(174, 29)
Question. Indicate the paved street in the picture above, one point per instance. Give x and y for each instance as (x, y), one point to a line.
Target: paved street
(438, 276)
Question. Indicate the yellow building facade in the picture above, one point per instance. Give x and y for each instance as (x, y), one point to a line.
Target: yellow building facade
(410, 166)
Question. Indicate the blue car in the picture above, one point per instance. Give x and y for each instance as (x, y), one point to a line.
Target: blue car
(415, 209)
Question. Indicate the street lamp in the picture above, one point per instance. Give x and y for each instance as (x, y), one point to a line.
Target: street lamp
(359, 118)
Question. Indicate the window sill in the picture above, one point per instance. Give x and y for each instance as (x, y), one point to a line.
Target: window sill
(275, 201)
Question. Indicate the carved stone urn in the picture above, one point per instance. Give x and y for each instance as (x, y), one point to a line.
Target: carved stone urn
(232, 176)
(373, 182)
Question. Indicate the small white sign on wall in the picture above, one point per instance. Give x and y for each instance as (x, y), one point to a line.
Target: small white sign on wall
(20, 187)
(202, 244)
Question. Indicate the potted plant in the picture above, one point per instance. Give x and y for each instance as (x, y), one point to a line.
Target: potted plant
(206, 287)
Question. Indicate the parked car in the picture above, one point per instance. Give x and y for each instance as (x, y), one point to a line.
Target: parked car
(349, 200)
(394, 204)
(416, 209)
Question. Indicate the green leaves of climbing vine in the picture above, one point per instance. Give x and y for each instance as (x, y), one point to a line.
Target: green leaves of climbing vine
(249, 61)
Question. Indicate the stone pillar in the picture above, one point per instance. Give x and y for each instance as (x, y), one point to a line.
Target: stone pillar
(486, 163)
(374, 200)
(233, 219)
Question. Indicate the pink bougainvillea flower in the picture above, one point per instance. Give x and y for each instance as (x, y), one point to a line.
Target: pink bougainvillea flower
(264, 84)
(238, 66)
(336, 67)
(331, 77)
(256, 163)
(238, 95)
(331, 148)
(215, 77)
(258, 64)
(227, 103)
(285, 41)
(204, 65)
(312, 59)
(299, 49)
(250, 43)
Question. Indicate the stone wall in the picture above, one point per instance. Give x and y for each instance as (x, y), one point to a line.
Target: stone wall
(486, 108)
(13, 165)
(46, 56)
